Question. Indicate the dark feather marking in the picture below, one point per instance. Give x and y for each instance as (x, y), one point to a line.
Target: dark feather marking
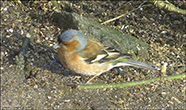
(107, 51)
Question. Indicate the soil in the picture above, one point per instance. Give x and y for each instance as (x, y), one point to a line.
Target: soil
(33, 77)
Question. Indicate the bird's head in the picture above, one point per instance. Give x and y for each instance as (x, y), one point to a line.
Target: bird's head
(71, 40)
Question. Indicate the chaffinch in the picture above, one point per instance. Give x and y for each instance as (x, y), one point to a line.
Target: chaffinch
(88, 57)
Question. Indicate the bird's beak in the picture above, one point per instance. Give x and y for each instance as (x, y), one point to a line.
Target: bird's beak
(56, 45)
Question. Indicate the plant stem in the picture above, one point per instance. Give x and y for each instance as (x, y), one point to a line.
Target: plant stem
(128, 84)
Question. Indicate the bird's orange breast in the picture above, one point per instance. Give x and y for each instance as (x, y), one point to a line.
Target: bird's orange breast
(74, 63)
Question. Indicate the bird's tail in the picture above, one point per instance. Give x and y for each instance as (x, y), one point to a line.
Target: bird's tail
(128, 62)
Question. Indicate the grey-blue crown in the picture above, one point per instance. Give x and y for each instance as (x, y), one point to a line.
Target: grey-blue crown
(67, 36)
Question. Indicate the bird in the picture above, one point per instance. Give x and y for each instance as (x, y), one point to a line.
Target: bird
(86, 56)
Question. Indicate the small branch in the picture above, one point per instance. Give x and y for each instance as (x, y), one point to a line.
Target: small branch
(125, 13)
(158, 3)
(20, 57)
(128, 84)
(168, 6)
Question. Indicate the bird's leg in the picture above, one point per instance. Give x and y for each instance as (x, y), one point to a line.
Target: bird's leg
(91, 79)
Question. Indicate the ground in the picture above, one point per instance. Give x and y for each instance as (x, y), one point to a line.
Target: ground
(40, 81)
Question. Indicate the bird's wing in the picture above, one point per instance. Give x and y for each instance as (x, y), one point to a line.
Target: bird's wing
(109, 54)
(91, 50)
(95, 52)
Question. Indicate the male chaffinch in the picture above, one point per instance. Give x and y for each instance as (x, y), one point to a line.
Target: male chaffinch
(88, 57)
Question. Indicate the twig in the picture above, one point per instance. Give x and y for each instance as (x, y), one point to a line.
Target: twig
(128, 84)
(20, 56)
(125, 13)
(20, 74)
(168, 6)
